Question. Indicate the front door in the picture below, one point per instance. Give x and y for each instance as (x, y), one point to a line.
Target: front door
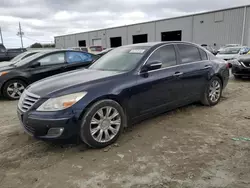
(158, 89)
(50, 65)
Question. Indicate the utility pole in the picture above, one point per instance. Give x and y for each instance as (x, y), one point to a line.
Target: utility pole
(20, 33)
(1, 35)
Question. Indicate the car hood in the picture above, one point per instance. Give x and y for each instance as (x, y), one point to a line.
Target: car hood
(59, 84)
(227, 56)
(244, 58)
(6, 65)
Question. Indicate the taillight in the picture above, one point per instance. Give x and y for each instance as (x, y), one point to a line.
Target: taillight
(229, 65)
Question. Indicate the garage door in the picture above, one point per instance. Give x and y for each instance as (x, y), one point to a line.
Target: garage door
(97, 42)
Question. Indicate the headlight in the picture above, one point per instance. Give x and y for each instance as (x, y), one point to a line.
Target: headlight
(60, 103)
(3, 73)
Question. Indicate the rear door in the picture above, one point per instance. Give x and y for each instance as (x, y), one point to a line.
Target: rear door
(194, 69)
(77, 60)
(50, 64)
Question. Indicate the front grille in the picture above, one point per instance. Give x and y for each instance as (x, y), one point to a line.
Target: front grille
(27, 100)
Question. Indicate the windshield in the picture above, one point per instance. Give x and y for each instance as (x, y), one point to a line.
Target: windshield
(29, 59)
(22, 56)
(230, 51)
(120, 59)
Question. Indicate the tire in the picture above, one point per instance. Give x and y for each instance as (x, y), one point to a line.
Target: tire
(237, 77)
(207, 98)
(17, 86)
(93, 125)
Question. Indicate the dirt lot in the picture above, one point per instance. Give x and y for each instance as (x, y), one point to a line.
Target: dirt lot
(187, 148)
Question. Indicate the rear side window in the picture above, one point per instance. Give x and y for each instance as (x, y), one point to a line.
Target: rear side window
(78, 57)
(203, 55)
(166, 55)
(189, 53)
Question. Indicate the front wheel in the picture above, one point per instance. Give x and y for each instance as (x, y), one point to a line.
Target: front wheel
(13, 89)
(212, 92)
(102, 124)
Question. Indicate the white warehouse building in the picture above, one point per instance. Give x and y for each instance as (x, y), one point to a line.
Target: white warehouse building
(215, 28)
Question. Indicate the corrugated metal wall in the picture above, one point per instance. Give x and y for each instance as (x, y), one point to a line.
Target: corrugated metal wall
(213, 28)
(219, 27)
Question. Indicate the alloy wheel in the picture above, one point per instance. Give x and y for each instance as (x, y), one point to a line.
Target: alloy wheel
(15, 90)
(105, 124)
(214, 91)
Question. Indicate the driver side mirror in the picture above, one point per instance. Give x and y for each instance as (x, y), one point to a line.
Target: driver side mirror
(154, 65)
(35, 64)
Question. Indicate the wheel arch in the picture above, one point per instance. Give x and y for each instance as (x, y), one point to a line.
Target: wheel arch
(116, 98)
(220, 77)
(15, 78)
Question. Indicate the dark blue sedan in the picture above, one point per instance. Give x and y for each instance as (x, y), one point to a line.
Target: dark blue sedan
(126, 85)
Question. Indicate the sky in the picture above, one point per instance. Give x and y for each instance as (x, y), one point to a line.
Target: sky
(41, 20)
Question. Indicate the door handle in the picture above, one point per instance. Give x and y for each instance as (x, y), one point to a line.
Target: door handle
(207, 67)
(178, 73)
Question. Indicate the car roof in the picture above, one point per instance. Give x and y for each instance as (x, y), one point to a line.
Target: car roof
(153, 44)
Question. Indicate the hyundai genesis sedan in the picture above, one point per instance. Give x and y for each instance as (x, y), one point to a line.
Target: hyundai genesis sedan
(127, 85)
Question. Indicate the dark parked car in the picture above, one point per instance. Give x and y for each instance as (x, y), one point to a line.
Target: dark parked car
(241, 66)
(8, 54)
(15, 76)
(126, 85)
(21, 57)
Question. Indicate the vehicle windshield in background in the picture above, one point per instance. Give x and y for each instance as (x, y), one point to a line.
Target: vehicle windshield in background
(120, 59)
(28, 59)
(22, 56)
(230, 51)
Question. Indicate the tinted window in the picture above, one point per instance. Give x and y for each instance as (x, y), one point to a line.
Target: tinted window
(51, 59)
(189, 53)
(78, 57)
(203, 55)
(166, 55)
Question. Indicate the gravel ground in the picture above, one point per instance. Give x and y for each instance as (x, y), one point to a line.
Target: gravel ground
(190, 147)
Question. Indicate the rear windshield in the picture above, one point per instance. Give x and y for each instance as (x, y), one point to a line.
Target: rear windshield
(230, 51)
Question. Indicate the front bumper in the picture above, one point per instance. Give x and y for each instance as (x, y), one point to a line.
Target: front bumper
(240, 70)
(48, 126)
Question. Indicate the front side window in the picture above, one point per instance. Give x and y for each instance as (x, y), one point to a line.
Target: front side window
(78, 57)
(166, 55)
(189, 53)
(52, 59)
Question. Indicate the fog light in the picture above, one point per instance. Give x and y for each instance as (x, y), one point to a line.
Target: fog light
(55, 132)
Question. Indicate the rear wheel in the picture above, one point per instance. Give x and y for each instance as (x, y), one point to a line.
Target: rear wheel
(102, 124)
(13, 89)
(212, 92)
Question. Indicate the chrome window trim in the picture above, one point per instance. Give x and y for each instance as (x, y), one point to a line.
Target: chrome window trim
(139, 73)
(243, 64)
